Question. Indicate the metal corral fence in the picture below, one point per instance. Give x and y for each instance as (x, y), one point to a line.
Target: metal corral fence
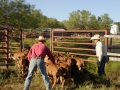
(76, 42)
(4, 44)
(61, 41)
(13, 40)
(9, 42)
(113, 47)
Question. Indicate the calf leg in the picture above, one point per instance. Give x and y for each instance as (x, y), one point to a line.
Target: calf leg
(55, 81)
(62, 80)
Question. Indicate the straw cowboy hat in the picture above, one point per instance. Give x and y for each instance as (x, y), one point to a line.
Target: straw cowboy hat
(96, 36)
(41, 38)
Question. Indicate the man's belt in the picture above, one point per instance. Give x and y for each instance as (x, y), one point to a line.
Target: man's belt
(37, 57)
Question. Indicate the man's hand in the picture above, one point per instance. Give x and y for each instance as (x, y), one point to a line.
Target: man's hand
(99, 63)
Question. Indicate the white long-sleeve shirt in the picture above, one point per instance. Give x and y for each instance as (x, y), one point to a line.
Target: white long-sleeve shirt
(101, 50)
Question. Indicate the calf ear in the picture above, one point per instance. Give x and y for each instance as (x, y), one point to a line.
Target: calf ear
(25, 53)
(11, 54)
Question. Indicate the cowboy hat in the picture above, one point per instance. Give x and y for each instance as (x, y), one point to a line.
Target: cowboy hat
(97, 36)
(40, 38)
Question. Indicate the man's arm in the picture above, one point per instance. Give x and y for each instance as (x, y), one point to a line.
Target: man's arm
(29, 54)
(50, 55)
(99, 52)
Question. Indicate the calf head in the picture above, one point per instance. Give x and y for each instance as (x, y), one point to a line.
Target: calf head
(17, 55)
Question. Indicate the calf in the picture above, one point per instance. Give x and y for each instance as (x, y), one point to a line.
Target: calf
(21, 62)
(53, 71)
(79, 62)
(23, 65)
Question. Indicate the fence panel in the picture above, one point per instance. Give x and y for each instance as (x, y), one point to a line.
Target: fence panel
(113, 47)
(76, 42)
(4, 46)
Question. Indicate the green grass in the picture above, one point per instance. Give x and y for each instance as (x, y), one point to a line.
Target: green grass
(86, 80)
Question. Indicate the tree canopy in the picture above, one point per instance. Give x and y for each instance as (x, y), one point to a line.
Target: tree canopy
(84, 20)
(19, 14)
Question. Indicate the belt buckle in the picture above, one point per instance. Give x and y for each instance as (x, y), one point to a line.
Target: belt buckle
(38, 57)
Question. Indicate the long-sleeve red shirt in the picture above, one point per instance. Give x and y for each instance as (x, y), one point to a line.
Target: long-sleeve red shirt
(40, 50)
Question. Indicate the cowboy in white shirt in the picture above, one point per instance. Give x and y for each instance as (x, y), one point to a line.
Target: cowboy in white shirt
(101, 53)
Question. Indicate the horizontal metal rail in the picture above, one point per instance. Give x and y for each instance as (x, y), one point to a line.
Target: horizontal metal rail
(70, 37)
(113, 54)
(112, 58)
(3, 41)
(75, 53)
(73, 37)
(90, 60)
(3, 53)
(83, 31)
(74, 43)
(3, 58)
(112, 36)
(3, 35)
(15, 47)
(3, 47)
(74, 48)
(15, 43)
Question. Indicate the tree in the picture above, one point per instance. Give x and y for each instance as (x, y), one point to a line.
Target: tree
(18, 14)
(13, 13)
(84, 20)
(93, 23)
(78, 20)
(104, 22)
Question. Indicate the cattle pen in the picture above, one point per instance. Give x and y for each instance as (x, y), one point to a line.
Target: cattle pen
(72, 42)
(76, 42)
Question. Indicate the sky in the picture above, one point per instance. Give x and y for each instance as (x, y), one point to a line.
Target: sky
(61, 9)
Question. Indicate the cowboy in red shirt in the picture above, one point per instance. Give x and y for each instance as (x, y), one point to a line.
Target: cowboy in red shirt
(36, 58)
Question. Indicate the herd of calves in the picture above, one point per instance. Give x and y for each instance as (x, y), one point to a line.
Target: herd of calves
(62, 71)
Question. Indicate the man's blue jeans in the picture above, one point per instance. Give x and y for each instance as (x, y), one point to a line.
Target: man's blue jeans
(101, 68)
(34, 63)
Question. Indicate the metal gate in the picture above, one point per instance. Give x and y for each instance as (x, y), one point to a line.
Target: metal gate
(76, 41)
(6, 44)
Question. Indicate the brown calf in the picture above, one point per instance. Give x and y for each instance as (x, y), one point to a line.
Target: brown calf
(21, 62)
